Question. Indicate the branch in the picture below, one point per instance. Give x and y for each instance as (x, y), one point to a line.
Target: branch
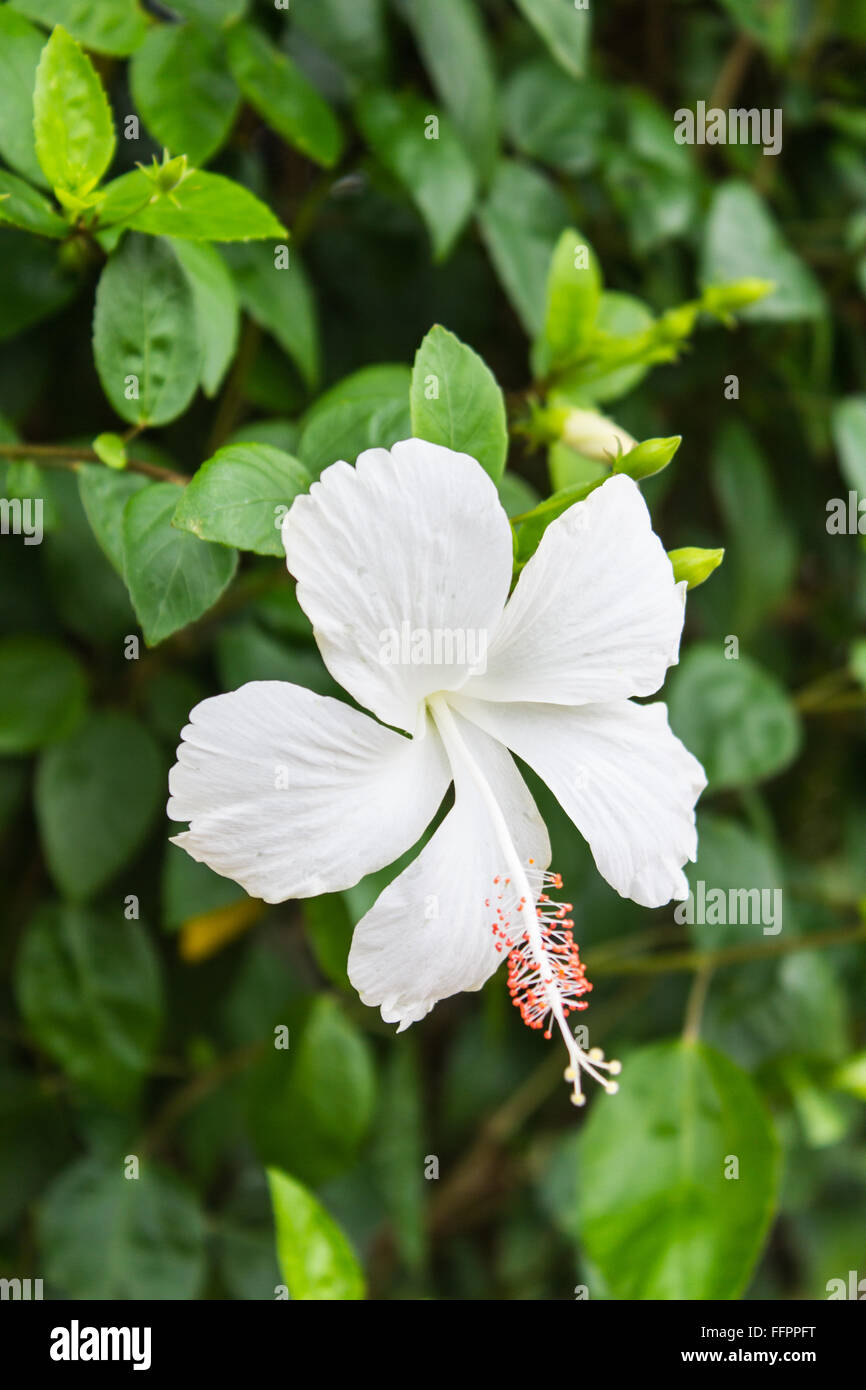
(58, 456)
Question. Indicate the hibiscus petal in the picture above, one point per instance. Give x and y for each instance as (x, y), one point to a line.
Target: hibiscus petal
(596, 614)
(626, 781)
(429, 934)
(388, 554)
(294, 794)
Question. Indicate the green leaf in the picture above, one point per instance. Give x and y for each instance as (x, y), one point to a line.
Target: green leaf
(71, 117)
(398, 1153)
(20, 50)
(145, 339)
(533, 524)
(564, 28)
(352, 32)
(328, 1057)
(733, 716)
(89, 988)
(427, 159)
(202, 207)
(97, 794)
(240, 496)
(520, 222)
(173, 578)
(280, 92)
(554, 119)
(245, 653)
(762, 551)
(619, 315)
(183, 89)
(33, 284)
(116, 27)
(106, 1236)
(573, 297)
(369, 409)
(22, 206)
(216, 307)
(741, 240)
(457, 402)
(218, 12)
(42, 693)
(191, 889)
(104, 494)
(454, 45)
(657, 1214)
(849, 436)
(275, 291)
(316, 1260)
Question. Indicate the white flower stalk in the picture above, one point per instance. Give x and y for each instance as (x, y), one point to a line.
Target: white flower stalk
(293, 794)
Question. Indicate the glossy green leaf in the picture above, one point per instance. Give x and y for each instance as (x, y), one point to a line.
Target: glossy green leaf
(184, 91)
(565, 29)
(240, 496)
(42, 692)
(202, 207)
(106, 1236)
(22, 206)
(145, 339)
(422, 151)
(849, 436)
(216, 306)
(316, 1260)
(20, 49)
(573, 298)
(552, 118)
(369, 409)
(172, 577)
(104, 494)
(521, 221)
(657, 1214)
(71, 117)
(456, 52)
(97, 794)
(280, 92)
(89, 988)
(734, 716)
(327, 1055)
(116, 27)
(741, 239)
(457, 402)
(352, 32)
(275, 290)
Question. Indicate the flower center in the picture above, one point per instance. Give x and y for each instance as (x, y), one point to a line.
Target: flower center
(545, 976)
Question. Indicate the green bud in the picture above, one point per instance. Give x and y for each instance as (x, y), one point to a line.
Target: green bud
(649, 457)
(676, 324)
(111, 449)
(725, 300)
(166, 176)
(694, 565)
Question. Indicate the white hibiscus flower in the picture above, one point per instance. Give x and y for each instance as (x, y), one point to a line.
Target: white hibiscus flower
(403, 566)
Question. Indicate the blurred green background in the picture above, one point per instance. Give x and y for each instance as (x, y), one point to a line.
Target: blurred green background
(140, 992)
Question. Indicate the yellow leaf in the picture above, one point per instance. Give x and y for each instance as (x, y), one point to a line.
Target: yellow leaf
(206, 934)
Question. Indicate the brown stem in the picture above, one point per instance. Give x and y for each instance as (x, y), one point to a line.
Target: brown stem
(58, 456)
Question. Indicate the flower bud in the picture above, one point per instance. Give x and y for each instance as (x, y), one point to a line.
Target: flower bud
(649, 457)
(111, 449)
(595, 436)
(693, 564)
(724, 300)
